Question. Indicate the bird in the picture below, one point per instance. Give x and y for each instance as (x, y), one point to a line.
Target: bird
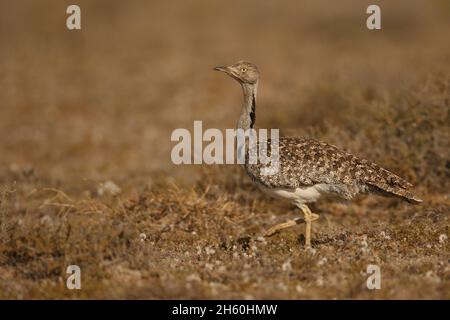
(310, 169)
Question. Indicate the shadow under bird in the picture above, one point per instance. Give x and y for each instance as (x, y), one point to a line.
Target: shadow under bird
(310, 169)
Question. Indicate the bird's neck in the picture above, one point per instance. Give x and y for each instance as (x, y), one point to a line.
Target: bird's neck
(248, 111)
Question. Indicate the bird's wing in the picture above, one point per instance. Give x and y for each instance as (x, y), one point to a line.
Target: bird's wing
(305, 162)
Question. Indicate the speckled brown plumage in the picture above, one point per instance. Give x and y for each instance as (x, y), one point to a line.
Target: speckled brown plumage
(307, 162)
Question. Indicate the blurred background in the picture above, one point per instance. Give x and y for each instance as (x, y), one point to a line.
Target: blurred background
(103, 101)
(85, 171)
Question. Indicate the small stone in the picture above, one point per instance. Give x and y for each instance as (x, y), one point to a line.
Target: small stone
(108, 187)
(209, 266)
(320, 281)
(222, 269)
(384, 235)
(193, 277)
(443, 238)
(364, 243)
(322, 261)
(282, 287)
(287, 266)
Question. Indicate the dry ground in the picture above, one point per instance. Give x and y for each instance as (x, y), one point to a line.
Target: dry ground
(84, 111)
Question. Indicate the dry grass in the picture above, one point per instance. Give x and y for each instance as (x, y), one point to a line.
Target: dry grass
(81, 109)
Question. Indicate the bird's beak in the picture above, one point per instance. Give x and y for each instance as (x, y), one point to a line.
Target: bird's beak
(223, 69)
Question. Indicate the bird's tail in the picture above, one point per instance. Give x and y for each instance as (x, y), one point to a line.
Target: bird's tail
(385, 189)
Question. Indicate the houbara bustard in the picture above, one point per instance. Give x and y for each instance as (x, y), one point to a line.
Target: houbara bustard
(309, 169)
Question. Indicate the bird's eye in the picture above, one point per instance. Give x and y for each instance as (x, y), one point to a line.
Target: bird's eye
(243, 69)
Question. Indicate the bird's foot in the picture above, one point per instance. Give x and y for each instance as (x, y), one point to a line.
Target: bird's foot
(282, 226)
(288, 224)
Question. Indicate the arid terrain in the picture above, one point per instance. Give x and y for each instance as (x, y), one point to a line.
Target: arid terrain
(86, 176)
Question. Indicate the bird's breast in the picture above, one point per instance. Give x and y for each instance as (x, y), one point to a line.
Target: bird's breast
(298, 195)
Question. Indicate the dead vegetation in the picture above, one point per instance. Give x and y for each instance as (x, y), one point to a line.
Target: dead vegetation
(205, 242)
(85, 172)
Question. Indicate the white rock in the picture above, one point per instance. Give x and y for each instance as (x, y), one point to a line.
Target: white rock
(287, 266)
(320, 281)
(108, 187)
(209, 266)
(322, 261)
(193, 277)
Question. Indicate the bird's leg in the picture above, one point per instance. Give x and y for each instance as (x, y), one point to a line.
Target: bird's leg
(309, 218)
(291, 223)
(282, 226)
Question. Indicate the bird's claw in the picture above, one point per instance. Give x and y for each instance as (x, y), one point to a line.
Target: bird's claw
(288, 224)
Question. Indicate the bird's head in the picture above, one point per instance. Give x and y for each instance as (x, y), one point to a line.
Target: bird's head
(242, 71)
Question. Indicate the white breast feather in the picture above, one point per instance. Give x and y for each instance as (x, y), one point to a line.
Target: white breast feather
(298, 195)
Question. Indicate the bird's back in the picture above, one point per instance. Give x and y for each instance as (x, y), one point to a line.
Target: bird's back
(308, 162)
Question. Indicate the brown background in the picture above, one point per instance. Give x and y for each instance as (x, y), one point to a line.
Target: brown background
(78, 108)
